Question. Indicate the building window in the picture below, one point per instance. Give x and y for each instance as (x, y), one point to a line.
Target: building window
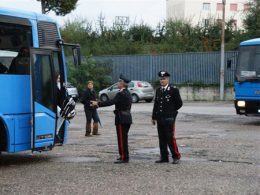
(219, 6)
(206, 6)
(233, 7)
(205, 22)
(246, 7)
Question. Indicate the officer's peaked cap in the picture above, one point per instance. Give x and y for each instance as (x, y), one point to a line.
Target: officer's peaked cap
(123, 78)
(163, 74)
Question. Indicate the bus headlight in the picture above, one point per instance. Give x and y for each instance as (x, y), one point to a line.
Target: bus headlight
(241, 104)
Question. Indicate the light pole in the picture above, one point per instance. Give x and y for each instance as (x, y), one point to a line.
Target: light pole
(222, 65)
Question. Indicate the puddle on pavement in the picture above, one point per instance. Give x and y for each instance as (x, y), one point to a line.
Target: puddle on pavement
(186, 121)
(138, 134)
(137, 157)
(77, 159)
(156, 150)
(230, 161)
(143, 154)
(201, 136)
(217, 135)
(136, 138)
(184, 158)
(106, 145)
(148, 151)
(189, 137)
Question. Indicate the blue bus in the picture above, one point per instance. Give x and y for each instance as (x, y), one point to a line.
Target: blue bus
(247, 79)
(33, 77)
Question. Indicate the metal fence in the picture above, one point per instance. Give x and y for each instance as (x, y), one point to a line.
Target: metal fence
(187, 68)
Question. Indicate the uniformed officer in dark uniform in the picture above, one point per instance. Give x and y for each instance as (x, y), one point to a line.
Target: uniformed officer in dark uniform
(123, 118)
(167, 102)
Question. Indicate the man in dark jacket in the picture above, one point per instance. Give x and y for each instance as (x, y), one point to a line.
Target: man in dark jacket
(90, 112)
(167, 102)
(123, 118)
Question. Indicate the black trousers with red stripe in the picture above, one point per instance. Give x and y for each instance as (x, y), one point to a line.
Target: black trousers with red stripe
(122, 140)
(167, 139)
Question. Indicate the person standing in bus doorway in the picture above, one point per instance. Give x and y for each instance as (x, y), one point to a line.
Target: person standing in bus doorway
(65, 110)
(166, 105)
(123, 117)
(90, 111)
(59, 100)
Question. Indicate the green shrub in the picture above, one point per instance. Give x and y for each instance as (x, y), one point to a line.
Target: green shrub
(90, 69)
(171, 36)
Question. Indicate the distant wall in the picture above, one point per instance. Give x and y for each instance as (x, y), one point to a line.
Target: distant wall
(185, 68)
(205, 93)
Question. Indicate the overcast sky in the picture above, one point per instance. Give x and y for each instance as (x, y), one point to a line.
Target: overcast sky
(149, 11)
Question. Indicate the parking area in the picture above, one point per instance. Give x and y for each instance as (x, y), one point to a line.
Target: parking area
(220, 155)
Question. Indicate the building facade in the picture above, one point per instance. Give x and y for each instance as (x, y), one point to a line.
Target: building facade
(203, 12)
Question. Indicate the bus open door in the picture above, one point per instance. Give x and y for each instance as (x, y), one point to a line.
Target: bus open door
(43, 93)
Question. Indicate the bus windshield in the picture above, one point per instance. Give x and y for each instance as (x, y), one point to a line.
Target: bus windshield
(248, 63)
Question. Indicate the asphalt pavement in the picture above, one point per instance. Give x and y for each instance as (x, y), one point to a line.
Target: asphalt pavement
(220, 155)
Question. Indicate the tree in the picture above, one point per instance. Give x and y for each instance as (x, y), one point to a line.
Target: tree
(142, 33)
(60, 7)
(252, 21)
(98, 71)
(181, 36)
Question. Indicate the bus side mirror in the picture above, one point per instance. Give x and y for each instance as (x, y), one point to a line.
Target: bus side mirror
(76, 56)
(229, 64)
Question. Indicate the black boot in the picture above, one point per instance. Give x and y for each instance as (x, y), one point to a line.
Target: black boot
(95, 129)
(121, 161)
(88, 130)
(162, 161)
(175, 161)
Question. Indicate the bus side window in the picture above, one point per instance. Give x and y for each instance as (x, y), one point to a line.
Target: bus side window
(21, 63)
(257, 62)
(3, 69)
(6, 58)
(56, 63)
(60, 93)
(43, 82)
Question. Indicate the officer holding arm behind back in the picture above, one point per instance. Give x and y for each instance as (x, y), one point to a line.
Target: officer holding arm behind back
(167, 102)
(123, 118)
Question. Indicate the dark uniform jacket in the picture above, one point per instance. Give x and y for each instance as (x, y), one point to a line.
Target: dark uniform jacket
(89, 95)
(166, 104)
(123, 103)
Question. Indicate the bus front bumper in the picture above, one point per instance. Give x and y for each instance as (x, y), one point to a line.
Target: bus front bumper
(247, 107)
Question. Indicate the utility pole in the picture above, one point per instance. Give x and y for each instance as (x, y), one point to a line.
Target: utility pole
(222, 65)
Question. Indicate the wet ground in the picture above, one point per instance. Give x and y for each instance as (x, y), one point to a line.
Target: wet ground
(220, 155)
